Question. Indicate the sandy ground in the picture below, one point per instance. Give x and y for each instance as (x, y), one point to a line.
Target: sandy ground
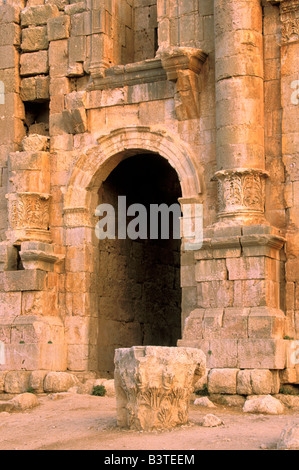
(81, 422)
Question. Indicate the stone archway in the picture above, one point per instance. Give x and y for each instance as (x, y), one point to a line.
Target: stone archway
(81, 200)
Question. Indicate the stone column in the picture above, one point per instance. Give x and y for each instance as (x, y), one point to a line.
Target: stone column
(239, 321)
(101, 39)
(240, 109)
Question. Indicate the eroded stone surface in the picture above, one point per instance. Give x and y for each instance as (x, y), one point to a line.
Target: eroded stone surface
(26, 401)
(263, 405)
(59, 382)
(154, 385)
(289, 439)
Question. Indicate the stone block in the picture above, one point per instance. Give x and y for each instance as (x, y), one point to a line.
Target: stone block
(8, 258)
(80, 330)
(57, 382)
(38, 15)
(61, 4)
(76, 99)
(17, 382)
(35, 329)
(10, 306)
(244, 386)
(36, 381)
(74, 8)
(193, 328)
(35, 143)
(187, 276)
(223, 381)
(9, 14)
(28, 89)
(246, 268)
(220, 353)
(33, 159)
(264, 404)
(25, 401)
(235, 323)
(13, 107)
(11, 79)
(215, 294)
(9, 57)
(35, 63)
(210, 270)
(288, 376)
(76, 49)
(2, 381)
(261, 354)
(34, 39)
(10, 35)
(79, 356)
(59, 28)
(18, 281)
(36, 356)
(75, 121)
(58, 60)
(41, 90)
(212, 323)
(39, 303)
(261, 381)
(266, 323)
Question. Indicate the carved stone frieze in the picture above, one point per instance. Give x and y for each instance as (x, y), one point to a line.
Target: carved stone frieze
(241, 191)
(154, 385)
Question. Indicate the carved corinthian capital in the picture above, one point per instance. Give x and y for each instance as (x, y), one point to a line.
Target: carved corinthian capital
(289, 10)
(29, 216)
(241, 192)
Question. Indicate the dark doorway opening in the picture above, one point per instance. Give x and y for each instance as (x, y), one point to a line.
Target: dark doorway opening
(139, 280)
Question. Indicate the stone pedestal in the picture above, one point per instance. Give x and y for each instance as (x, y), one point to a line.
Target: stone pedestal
(154, 385)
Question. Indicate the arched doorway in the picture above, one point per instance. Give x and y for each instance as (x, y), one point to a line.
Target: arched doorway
(93, 167)
(139, 279)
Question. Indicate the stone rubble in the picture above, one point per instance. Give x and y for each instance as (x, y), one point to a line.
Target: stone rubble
(211, 421)
(204, 402)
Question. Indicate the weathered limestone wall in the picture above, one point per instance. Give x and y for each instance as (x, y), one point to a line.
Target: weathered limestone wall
(215, 98)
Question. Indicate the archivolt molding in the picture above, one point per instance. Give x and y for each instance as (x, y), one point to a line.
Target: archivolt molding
(97, 162)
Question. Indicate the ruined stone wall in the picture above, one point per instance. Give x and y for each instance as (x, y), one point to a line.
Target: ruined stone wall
(215, 98)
